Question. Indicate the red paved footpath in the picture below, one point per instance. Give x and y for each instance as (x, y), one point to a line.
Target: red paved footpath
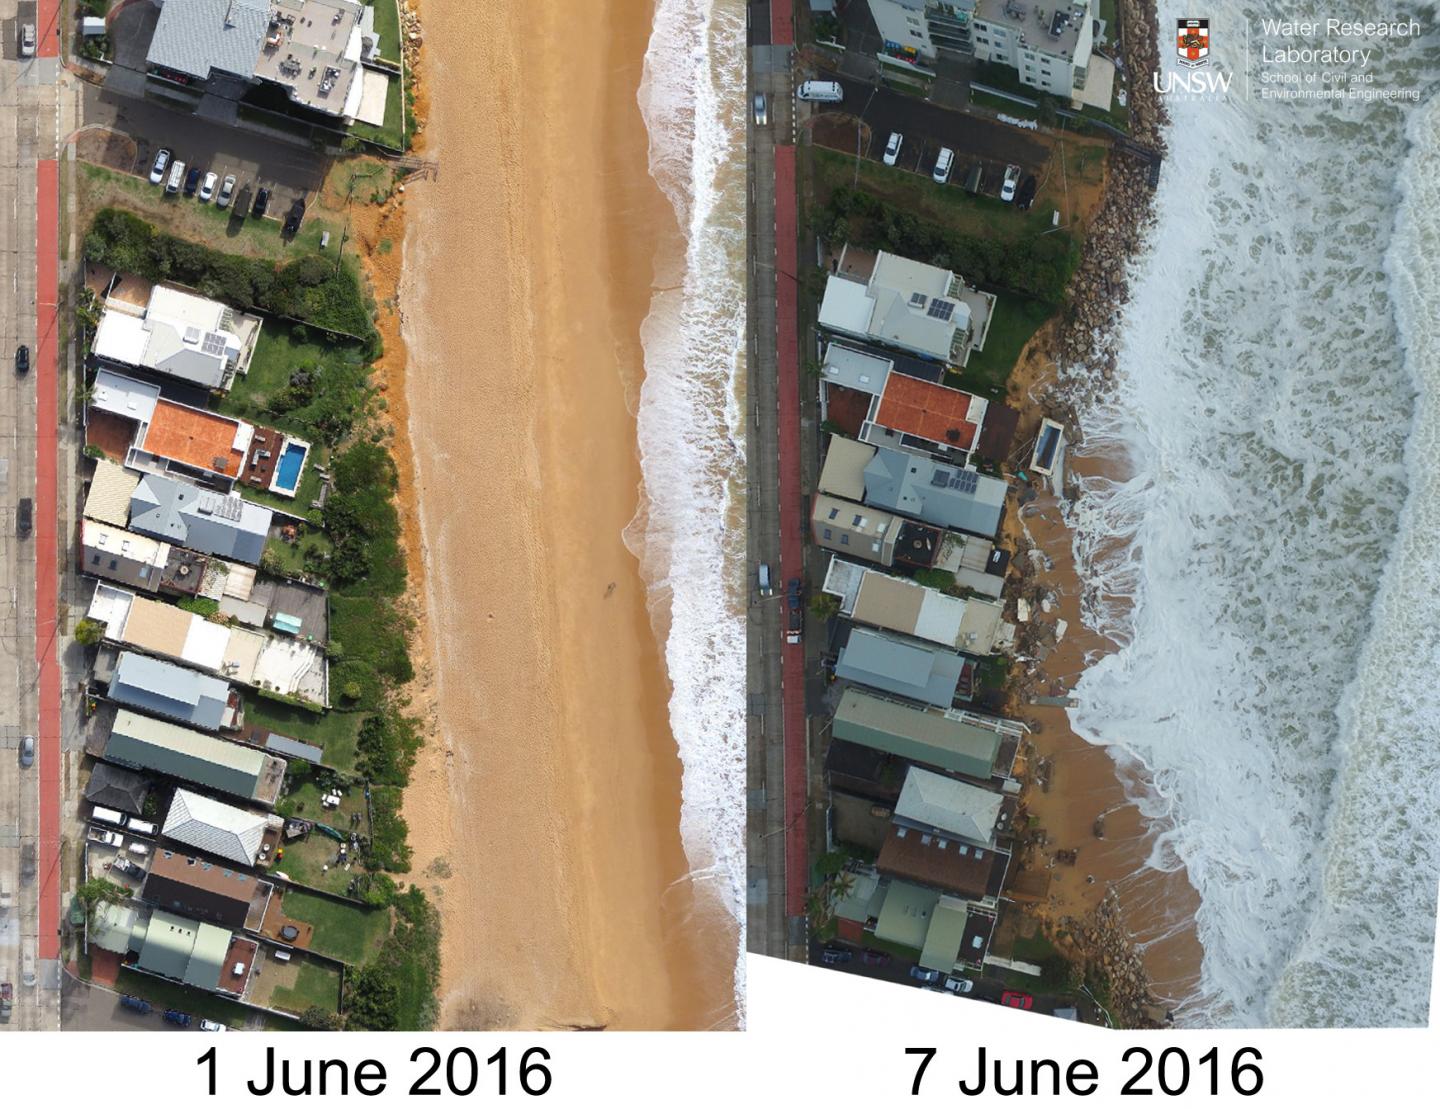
(47, 29)
(47, 331)
(792, 543)
(782, 23)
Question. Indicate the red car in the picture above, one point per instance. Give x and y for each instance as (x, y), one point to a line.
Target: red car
(1017, 1000)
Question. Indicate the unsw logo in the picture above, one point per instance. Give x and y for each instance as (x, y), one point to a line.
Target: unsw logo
(1192, 52)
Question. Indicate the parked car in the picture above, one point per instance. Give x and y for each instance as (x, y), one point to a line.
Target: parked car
(24, 517)
(762, 110)
(943, 163)
(294, 217)
(959, 985)
(262, 203)
(1026, 196)
(892, 148)
(175, 1016)
(872, 958)
(157, 168)
(176, 179)
(127, 867)
(207, 187)
(927, 977)
(1017, 1000)
(826, 92)
(27, 40)
(227, 190)
(1012, 179)
(795, 624)
(138, 1004)
(192, 181)
(211, 1026)
(27, 751)
(27, 968)
(27, 861)
(835, 956)
(22, 359)
(762, 579)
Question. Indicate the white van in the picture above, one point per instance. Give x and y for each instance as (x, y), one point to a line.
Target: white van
(825, 92)
(942, 165)
(177, 177)
(140, 827)
(762, 578)
(107, 816)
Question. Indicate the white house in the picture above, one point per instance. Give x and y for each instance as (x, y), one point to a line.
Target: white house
(1048, 46)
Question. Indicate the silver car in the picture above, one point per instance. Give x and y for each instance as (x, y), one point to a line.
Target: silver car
(762, 111)
(207, 187)
(27, 40)
(892, 148)
(27, 751)
(227, 190)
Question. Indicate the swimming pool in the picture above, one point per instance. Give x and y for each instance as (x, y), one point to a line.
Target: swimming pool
(287, 468)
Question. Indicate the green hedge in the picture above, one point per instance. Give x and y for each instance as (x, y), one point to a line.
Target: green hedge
(310, 288)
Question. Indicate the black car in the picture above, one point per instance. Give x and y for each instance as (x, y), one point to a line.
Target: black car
(262, 202)
(25, 516)
(192, 179)
(175, 1016)
(835, 956)
(22, 359)
(1026, 196)
(292, 220)
(792, 593)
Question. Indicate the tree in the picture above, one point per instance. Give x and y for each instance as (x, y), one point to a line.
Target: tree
(374, 1001)
(89, 632)
(824, 605)
(99, 891)
(317, 1017)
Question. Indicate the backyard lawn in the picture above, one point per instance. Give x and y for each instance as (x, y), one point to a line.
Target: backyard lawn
(392, 134)
(1015, 320)
(345, 932)
(314, 983)
(387, 27)
(334, 731)
(291, 558)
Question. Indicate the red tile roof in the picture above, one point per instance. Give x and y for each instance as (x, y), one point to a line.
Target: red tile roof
(930, 411)
(205, 440)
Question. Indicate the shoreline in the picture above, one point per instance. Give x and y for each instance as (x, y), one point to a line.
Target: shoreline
(1105, 909)
(545, 814)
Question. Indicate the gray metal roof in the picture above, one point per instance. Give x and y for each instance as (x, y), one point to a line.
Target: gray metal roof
(293, 748)
(200, 519)
(196, 36)
(912, 485)
(214, 827)
(933, 801)
(114, 787)
(168, 690)
(906, 669)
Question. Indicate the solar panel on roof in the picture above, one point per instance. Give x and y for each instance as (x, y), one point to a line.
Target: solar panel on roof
(214, 343)
(941, 309)
(966, 481)
(940, 479)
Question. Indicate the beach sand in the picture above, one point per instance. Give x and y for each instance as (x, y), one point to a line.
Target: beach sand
(545, 813)
(1085, 807)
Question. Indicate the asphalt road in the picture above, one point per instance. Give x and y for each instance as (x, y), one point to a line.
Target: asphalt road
(927, 127)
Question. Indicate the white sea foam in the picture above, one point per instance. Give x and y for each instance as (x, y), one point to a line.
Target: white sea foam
(690, 533)
(1275, 401)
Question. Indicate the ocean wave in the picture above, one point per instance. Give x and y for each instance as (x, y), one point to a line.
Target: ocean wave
(689, 533)
(1280, 610)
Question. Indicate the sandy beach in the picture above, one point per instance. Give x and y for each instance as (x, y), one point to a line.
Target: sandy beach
(545, 811)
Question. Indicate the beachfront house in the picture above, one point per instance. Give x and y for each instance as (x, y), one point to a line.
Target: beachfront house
(947, 933)
(216, 828)
(913, 307)
(903, 667)
(117, 555)
(221, 524)
(939, 494)
(178, 334)
(974, 625)
(176, 693)
(193, 953)
(953, 740)
(196, 887)
(158, 747)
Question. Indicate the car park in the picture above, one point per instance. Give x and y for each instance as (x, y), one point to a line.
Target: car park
(892, 148)
(262, 203)
(192, 181)
(922, 975)
(227, 190)
(943, 163)
(762, 110)
(157, 168)
(207, 187)
(22, 359)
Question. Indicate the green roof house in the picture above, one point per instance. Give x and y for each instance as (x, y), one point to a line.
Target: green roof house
(943, 939)
(156, 745)
(184, 950)
(928, 736)
(905, 915)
